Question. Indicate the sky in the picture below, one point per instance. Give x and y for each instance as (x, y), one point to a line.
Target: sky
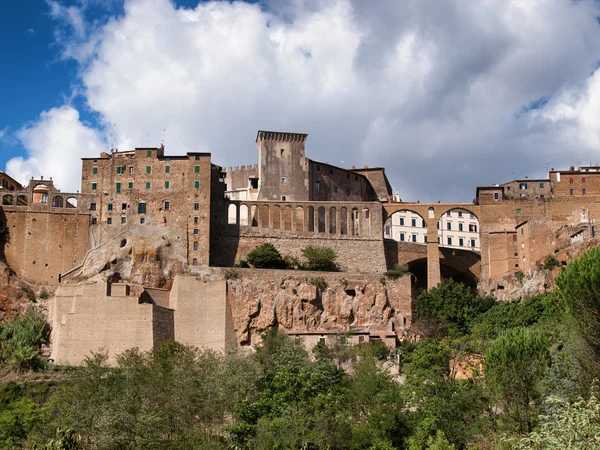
(446, 95)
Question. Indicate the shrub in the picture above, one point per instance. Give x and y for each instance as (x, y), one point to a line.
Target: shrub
(320, 258)
(291, 262)
(44, 294)
(550, 262)
(520, 275)
(231, 274)
(398, 271)
(4, 234)
(22, 339)
(265, 256)
(319, 283)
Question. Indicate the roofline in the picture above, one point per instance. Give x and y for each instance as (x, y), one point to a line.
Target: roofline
(302, 136)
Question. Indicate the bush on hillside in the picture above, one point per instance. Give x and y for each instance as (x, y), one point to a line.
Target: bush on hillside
(265, 256)
(320, 258)
(22, 339)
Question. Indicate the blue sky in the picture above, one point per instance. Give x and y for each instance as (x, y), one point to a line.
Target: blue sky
(446, 97)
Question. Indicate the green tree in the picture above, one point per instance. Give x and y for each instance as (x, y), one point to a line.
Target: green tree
(514, 366)
(320, 258)
(453, 305)
(22, 339)
(579, 287)
(265, 256)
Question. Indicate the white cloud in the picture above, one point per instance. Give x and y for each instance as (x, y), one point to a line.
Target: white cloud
(437, 95)
(55, 144)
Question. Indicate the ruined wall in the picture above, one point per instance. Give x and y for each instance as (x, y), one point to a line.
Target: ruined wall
(238, 182)
(93, 318)
(261, 299)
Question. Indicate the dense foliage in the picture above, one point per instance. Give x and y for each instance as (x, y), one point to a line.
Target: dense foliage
(22, 339)
(481, 375)
(266, 256)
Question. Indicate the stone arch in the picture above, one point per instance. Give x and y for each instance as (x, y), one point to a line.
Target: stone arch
(355, 221)
(365, 224)
(254, 215)
(299, 218)
(72, 202)
(22, 200)
(244, 215)
(406, 225)
(58, 201)
(287, 217)
(431, 213)
(333, 220)
(40, 193)
(321, 219)
(459, 228)
(265, 216)
(232, 214)
(311, 219)
(344, 221)
(276, 217)
(8, 199)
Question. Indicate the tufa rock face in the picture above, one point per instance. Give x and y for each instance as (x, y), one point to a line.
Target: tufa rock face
(262, 301)
(13, 293)
(149, 256)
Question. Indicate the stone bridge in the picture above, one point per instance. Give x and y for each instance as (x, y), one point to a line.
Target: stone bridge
(431, 253)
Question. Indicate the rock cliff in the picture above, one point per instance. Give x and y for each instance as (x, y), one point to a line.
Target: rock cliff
(15, 295)
(292, 301)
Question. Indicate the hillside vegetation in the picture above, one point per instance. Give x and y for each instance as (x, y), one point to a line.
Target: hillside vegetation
(482, 375)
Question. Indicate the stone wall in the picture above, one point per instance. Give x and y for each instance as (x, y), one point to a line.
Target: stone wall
(94, 317)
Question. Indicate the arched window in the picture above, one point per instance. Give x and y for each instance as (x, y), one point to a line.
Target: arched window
(8, 200)
(299, 218)
(232, 214)
(276, 217)
(244, 215)
(344, 221)
(287, 218)
(321, 218)
(311, 218)
(72, 202)
(57, 202)
(332, 220)
(265, 214)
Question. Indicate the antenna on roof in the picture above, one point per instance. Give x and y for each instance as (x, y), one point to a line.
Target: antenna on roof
(163, 139)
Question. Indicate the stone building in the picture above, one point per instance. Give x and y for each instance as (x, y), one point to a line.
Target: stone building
(8, 183)
(143, 187)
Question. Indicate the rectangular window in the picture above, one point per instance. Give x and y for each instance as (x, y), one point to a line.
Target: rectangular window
(401, 220)
(571, 191)
(195, 246)
(109, 221)
(318, 185)
(583, 191)
(448, 225)
(449, 214)
(414, 238)
(148, 185)
(194, 262)
(541, 185)
(148, 153)
(460, 214)
(130, 170)
(196, 231)
(496, 196)
(166, 185)
(283, 180)
(281, 152)
(92, 207)
(130, 185)
(519, 211)
(283, 198)
(110, 206)
(94, 186)
(473, 228)
(196, 184)
(196, 206)
(571, 180)
(142, 220)
(120, 170)
(142, 208)
(94, 170)
(196, 169)
(167, 206)
(118, 187)
(461, 242)
(123, 206)
(472, 242)
(148, 169)
(449, 241)
(167, 169)
(196, 219)
(460, 227)
(522, 186)
(197, 157)
(425, 239)
(123, 219)
(413, 222)
(402, 237)
(94, 221)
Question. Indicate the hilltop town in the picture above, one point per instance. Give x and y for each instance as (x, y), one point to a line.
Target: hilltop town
(150, 248)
